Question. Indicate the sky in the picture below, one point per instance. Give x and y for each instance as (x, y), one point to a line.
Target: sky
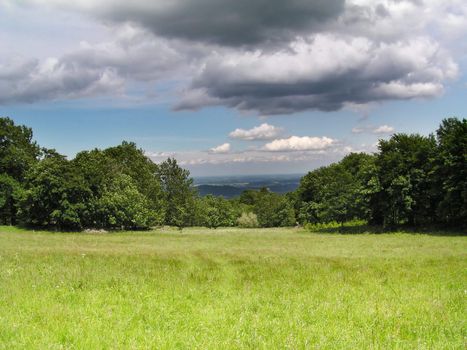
(232, 87)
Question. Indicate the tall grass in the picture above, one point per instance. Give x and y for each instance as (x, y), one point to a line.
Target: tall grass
(231, 288)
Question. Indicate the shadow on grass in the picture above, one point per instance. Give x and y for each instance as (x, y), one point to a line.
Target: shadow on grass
(52, 229)
(363, 228)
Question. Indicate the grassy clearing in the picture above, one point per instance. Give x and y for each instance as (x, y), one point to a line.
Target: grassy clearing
(232, 288)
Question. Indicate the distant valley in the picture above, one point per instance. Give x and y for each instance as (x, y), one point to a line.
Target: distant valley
(233, 186)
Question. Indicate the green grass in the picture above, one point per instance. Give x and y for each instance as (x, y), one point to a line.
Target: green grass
(232, 288)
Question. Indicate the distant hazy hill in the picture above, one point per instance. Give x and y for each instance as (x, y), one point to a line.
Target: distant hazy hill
(232, 186)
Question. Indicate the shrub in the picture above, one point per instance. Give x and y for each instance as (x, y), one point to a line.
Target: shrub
(215, 212)
(248, 220)
(352, 226)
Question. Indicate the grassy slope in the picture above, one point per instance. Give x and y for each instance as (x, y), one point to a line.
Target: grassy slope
(232, 288)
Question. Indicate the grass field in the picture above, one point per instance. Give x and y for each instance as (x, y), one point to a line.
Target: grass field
(232, 288)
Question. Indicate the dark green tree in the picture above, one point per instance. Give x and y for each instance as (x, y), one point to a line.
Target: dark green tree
(97, 169)
(55, 195)
(179, 194)
(408, 193)
(122, 206)
(10, 193)
(132, 161)
(18, 152)
(338, 192)
(329, 194)
(451, 171)
(216, 212)
(100, 168)
(249, 197)
(273, 210)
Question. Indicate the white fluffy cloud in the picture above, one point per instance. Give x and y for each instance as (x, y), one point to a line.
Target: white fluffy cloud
(383, 129)
(299, 156)
(297, 143)
(195, 158)
(224, 148)
(264, 131)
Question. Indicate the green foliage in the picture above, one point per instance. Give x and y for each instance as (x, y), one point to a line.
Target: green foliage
(17, 150)
(250, 197)
(273, 210)
(122, 206)
(179, 194)
(336, 196)
(412, 180)
(333, 226)
(55, 195)
(115, 188)
(404, 166)
(451, 171)
(399, 201)
(101, 168)
(248, 220)
(128, 159)
(216, 212)
(10, 193)
(336, 192)
(97, 169)
(17, 154)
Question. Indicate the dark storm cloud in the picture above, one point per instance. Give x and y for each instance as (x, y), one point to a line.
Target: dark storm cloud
(227, 22)
(265, 56)
(325, 74)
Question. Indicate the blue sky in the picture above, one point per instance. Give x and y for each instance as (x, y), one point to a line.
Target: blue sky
(223, 101)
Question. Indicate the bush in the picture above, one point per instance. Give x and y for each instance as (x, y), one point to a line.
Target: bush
(248, 220)
(215, 212)
(352, 226)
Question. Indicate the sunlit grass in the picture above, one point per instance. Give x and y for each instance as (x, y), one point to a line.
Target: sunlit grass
(231, 288)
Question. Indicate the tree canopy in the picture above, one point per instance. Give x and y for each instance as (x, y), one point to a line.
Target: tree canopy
(411, 180)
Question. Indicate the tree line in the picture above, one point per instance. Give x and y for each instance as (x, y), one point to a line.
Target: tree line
(412, 179)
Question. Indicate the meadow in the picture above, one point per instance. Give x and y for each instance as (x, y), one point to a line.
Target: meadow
(232, 288)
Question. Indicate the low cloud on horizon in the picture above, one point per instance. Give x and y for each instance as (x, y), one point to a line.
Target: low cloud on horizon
(378, 130)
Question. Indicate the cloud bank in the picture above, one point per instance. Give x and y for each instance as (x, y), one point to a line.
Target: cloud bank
(261, 132)
(221, 149)
(378, 130)
(297, 143)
